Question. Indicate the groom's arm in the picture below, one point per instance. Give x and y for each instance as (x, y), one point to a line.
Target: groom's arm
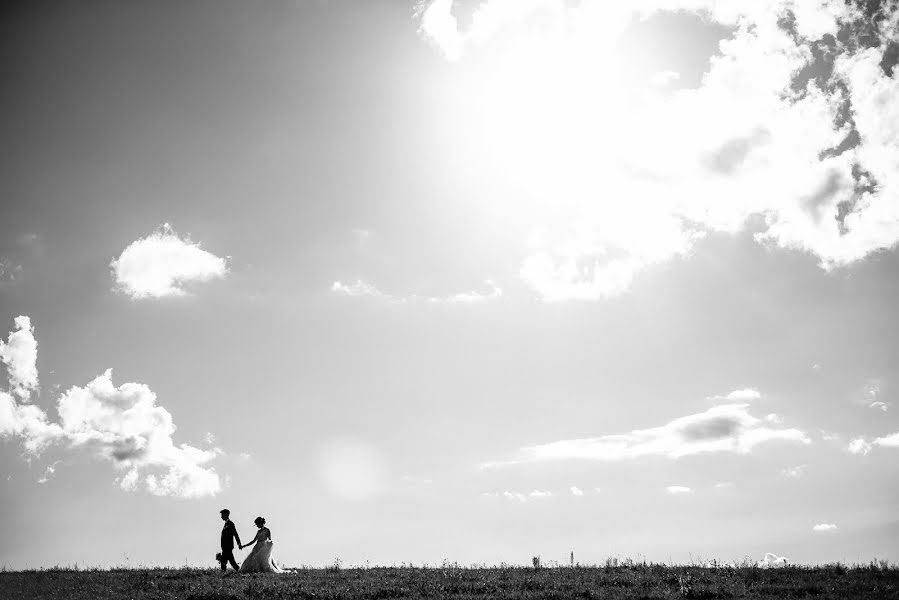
(236, 537)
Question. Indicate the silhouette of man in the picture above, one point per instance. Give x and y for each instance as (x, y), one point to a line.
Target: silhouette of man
(229, 534)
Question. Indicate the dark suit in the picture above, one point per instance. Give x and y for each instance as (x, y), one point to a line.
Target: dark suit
(229, 533)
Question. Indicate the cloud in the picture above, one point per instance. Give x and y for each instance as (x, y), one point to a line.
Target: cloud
(594, 263)
(724, 484)
(576, 491)
(19, 354)
(664, 78)
(872, 389)
(515, 496)
(774, 418)
(439, 26)
(48, 473)
(519, 496)
(862, 446)
(723, 428)
(824, 527)
(743, 395)
(674, 490)
(623, 186)
(359, 288)
(123, 425)
(793, 472)
(830, 436)
(884, 406)
(472, 297)
(772, 560)
(859, 446)
(9, 272)
(158, 265)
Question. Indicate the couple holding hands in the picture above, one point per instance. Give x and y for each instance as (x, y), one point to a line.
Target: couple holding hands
(260, 558)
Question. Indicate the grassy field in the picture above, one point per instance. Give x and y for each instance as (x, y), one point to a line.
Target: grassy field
(450, 581)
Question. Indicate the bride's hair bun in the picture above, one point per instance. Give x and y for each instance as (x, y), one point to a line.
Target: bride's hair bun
(259, 521)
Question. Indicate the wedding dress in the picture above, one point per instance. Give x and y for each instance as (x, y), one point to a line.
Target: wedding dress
(260, 560)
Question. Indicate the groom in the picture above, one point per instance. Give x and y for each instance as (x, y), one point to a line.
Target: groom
(229, 534)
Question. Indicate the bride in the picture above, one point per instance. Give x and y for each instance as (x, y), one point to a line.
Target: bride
(260, 558)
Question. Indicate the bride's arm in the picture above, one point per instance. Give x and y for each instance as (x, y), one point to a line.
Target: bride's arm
(253, 541)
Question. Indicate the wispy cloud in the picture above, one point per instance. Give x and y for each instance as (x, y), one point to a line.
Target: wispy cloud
(723, 428)
(522, 497)
(824, 527)
(675, 490)
(517, 496)
(576, 491)
(9, 271)
(121, 424)
(158, 266)
(793, 472)
(742, 395)
(473, 296)
(49, 472)
(361, 288)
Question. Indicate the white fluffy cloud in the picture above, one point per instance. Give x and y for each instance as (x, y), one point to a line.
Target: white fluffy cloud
(440, 26)
(675, 490)
(123, 425)
(824, 527)
(19, 354)
(160, 264)
(772, 560)
(625, 185)
(862, 446)
(723, 428)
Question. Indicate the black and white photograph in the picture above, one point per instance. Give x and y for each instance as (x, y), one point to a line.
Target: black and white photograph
(465, 299)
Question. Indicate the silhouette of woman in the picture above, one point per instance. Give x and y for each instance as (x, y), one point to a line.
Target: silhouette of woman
(260, 558)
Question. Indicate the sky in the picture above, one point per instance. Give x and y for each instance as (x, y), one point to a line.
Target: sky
(472, 281)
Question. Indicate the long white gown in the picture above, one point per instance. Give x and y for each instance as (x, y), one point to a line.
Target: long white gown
(260, 560)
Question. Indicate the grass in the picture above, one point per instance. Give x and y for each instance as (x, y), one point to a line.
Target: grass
(631, 580)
